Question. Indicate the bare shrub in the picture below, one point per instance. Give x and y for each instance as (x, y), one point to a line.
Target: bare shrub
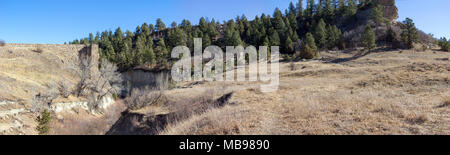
(38, 49)
(446, 103)
(42, 101)
(141, 98)
(2, 43)
(417, 118)
(292, 66)
(107, 82)
(84, 72)
(64, 89)
(97, 85)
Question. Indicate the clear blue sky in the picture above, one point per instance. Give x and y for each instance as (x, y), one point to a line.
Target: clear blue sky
(59, 21)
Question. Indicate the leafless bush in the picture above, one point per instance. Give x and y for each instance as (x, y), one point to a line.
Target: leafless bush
(42, 101)
(446, 103)
(2, 43)
(417, 118)
(140, 98)
(64, 89)
(84, 72)
(107, 82)
(97, 85)
(38, 49)
(292, 66)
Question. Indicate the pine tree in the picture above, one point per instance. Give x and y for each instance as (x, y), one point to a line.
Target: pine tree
(333, 36)
(292, 8)
(309, 47)
(341, 7)
(212, 31)
(390, 35)
(91, 38)
(203, 25)
(319, 9)
(151, 28)
(320, 34)
(444, 44)
(329, 10)
(410, 33)
(368, 39)
(351, 8)
(160, 26)
(300, 10)
(161, 51)
(310, 9)
(288, 45)
(377, 15)
(292, 21)
(176, 37)
(139, 51)
(274, 38)
(206, 41)
(278, 21)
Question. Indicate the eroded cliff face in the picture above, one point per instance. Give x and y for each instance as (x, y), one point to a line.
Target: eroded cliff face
(30, 70)
(390, 10)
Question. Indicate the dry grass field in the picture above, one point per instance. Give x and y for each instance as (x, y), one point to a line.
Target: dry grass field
(388, 92)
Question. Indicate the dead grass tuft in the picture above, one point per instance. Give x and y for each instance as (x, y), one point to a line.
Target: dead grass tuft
(141, 98)
(446, 103)
(417, 118)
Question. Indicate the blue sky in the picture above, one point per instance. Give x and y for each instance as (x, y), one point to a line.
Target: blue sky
(59, 21)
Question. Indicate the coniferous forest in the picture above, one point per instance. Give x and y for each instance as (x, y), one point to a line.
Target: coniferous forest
(300, 31)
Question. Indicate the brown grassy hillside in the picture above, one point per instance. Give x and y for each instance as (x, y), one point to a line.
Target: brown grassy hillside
(393, 92)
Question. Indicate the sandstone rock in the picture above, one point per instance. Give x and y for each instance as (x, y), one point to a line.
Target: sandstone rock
(390, 11)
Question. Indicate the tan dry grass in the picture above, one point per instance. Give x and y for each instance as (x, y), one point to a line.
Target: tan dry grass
(84, 123)
(403, 96)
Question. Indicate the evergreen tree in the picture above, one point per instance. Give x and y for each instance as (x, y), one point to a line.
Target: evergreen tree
(152, 28)
(444, 44)
(410, 33)
(329, 10)
(310, 9)
(203, 25)
(206, 41)
(161, 51)
(351, 8)
(176, 37)
(278, 21)
(174, 25)
(145, 30)
(342, 7)
(292, 8)
(91, 38)
(274, 38)
(390, 35)
(212, 31)
(309, 47)
(289, 47)
(377, 15)
(300, 10)
(368, 39)
(320, 34)
(160, 26)
(319, 9)
(232, 37)
(333, 36)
